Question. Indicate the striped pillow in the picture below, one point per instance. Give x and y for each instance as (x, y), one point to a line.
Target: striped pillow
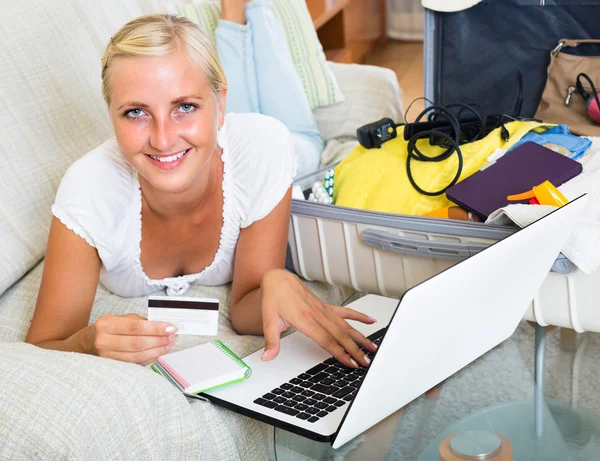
(319, 82)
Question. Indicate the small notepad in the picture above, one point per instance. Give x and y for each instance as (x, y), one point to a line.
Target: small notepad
(203, 367)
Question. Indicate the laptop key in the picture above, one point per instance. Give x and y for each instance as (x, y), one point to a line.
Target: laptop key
(317, 369)
(331, 408)
(313, 419)
(269, 396)
(342, 392)
(331, 361)
(327, 381)
(279, 400)
(330, 400)
(290, 403)
(361, 371)
(301, 407)
(331, 369)
(296, 389)
(303, 376)
(277, 391)
(288, 395)
(318, 377)
(260, 401)
(310, 402)
(303, 416)
(324, 389)
(337, 375)
(318, 396)
(322, 413)
(287, 410)
(349, 397)
(312, 410)
(307, 393)
(355, 384)
(286, 386)
(305, 384)
(295, 381)
(321, 405)
(298, 398)
(340, 403)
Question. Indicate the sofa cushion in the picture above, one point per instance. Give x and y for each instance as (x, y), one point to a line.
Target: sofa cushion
(319, 83)
(110, 409)
(53, 111)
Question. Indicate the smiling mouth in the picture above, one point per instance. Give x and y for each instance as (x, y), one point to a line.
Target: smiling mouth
(170, 158)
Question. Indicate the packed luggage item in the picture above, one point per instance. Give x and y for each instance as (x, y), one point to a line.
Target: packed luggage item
(516, 171)
(391, 180)
(570, 95)
(559, 140)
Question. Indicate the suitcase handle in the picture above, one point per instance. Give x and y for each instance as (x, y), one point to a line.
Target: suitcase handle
(388, 241)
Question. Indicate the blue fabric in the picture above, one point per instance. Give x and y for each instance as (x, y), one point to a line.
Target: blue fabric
(559, 135)
(262, 78)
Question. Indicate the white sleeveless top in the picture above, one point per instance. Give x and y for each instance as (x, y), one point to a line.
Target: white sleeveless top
(99, 198)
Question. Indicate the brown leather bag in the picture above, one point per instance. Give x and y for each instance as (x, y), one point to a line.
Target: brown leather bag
(561, 102)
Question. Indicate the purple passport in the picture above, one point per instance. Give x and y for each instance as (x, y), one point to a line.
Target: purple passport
(515, 172)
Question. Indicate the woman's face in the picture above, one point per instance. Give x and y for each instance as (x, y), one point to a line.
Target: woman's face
(165, 116)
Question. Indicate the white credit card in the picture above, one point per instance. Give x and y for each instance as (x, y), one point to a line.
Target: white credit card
(191, 316)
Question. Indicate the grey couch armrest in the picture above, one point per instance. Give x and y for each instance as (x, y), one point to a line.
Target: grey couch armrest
(371, 93)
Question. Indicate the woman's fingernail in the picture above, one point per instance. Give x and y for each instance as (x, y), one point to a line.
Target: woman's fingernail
(170, 329)
(374, 320)
(375, 345)
(264, 354)
(356, 365)
(367, 359)
(173, 338)
(169, 347)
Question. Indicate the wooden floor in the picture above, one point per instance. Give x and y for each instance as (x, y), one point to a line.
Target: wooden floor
(406, 59)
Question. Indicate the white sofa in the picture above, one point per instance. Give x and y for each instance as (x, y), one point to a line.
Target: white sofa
(56, 405)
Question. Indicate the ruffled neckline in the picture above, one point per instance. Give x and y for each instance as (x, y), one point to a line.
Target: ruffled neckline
(178, 285)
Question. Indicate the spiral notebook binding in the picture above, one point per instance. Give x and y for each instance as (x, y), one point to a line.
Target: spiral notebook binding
(232, 355)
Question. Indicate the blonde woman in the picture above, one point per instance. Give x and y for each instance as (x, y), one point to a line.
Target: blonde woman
(182, 194)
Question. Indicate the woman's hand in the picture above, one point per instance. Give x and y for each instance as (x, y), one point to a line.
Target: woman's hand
(286, 302)
(130, 338)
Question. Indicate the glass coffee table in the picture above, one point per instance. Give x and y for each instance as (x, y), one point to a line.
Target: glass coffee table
(493, 395)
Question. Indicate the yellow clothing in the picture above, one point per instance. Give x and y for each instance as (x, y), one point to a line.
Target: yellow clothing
(376, 179)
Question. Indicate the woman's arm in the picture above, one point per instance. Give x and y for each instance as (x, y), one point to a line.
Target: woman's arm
(66, 295)
(266, 299)
(65, 299)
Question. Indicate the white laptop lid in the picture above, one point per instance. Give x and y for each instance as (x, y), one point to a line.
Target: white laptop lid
(453, 318)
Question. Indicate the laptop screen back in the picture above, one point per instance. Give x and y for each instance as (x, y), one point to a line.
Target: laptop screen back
(456, 316)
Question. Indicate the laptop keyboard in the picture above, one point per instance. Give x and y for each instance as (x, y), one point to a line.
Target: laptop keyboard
(317, 392)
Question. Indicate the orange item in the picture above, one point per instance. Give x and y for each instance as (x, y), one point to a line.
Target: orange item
(453, 212)
(545, 194)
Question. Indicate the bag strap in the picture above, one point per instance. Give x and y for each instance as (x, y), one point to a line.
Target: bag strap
(564, 42)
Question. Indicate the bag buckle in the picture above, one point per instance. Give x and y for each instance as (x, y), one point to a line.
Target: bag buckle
(558, 48)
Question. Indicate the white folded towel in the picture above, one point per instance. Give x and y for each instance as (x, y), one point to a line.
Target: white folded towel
(583, 246)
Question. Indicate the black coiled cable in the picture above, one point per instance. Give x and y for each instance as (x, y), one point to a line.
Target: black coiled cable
(451, 142)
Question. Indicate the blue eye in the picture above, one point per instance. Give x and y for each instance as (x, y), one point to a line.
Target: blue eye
(134, 113)
(187, 107)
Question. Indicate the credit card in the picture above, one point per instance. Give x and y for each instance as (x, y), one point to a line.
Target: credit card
(191, 316)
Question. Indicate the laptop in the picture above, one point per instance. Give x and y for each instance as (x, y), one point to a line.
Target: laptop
(437, 328)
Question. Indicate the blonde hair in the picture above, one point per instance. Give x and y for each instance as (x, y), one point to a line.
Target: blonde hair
(159, 35)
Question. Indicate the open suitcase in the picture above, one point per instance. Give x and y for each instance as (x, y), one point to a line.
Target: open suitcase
(387, 254)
